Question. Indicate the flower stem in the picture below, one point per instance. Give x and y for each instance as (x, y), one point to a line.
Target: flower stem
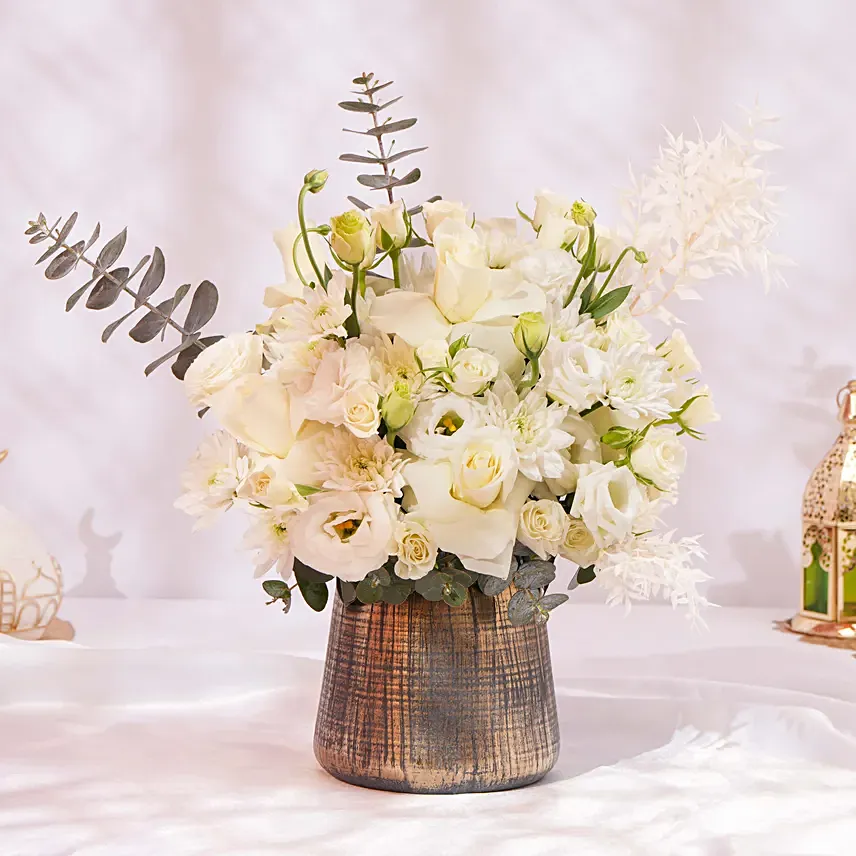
(302, 220)
(394, 257)
(534, 374)
(352, 324)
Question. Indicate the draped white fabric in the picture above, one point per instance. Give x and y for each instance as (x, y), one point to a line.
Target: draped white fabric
(157, 732)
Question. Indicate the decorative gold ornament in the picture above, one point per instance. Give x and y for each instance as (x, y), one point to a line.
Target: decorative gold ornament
(828, 603)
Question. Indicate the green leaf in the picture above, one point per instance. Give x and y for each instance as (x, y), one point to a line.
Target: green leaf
(64, 263)
(359, 106)
(152, 278)
(492, 586)
(389, 103)
(551, 601)
(618, 437)
(369, 591)
(358, 203)
(524, 215)
(314, 593)
(390, 128)
(585, 297)
(347, 591)
(107, 289)
(185, 358)
(585, 575)
(397, 592)
(454, 594)
(609, 302)
(535, 574)
(459, 345)
(75, 298)
(430, 586)
(310, 575)
(111, 250)
(521, 608)
(307, 489)
(275, 588)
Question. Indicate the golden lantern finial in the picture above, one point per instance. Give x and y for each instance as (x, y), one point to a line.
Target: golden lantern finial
(4, 453)
(828, 604)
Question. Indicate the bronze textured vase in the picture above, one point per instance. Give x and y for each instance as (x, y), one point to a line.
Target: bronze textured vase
(428, 698)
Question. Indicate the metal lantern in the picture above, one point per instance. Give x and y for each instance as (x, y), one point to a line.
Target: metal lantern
(828, 604)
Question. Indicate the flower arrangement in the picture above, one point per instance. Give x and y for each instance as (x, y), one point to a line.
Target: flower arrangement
(437, 400)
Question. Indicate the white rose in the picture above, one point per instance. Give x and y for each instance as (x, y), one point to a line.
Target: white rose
(353, 238)
(542, 526)
(415, 547)
(456, 240)
(578, 545)
(390, 218)
(438, 424)
(701, 411)
(549, 204)
(573, 374)
(608, 500)
(219, 364)
(361, 413)
(345, 534)
(436, 212)
(660, 458)
(679, 355)
(472, 371)
(256, 409)
(484, 467)
(433, 354)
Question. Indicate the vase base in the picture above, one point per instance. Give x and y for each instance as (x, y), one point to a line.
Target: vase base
(836, 634)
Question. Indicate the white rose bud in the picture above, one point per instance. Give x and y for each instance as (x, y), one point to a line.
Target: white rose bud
(433, 354)
(679, 355)
(353, 238)
(578, 545)
(221, 363)
(531, 333)
(701, 411)
(398, 406)
(660, 458)
(472, 371)
(583, 214)
(415, 547)
(542, 526)
(549, 205)
(436, 212)
(361, 412)
(390, 219)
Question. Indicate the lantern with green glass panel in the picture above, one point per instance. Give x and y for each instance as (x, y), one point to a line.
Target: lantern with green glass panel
(828, 603)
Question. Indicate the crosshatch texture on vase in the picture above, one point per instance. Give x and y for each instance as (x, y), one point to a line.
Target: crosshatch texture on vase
(427, 698)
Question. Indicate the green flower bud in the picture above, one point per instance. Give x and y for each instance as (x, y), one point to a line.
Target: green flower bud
(315, 180)
(583, 214)
(531, 333)
(398, 406)
(353, 238)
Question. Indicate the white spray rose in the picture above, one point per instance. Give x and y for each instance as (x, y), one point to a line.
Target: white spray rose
(573, 374)
(679, 355)
(455, 240)
(257, 410)
(472, 371)
(360, 409)
(578, 545)
(353, 238)
(549, 204)
(434, 354)
(345, 534)
(608, 500)
(390, 218)
(542, 526)
(484, 466)
(415, 547)
(221, 363)
(660, 458)
(436, 212)
(701, 411)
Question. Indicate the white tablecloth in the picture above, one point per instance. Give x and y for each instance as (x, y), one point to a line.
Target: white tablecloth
(184, 728)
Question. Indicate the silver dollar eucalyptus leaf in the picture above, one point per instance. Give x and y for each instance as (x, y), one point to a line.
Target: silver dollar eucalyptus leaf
(64, 263)
(202, 307)
(155, 321)
(111, 328)
(186, 358)
(96, 233)
(153, 277)
(535, 574)
(551, 601)
(359, 106)
(73, 300)
(363, 206)
(66, 228)
(389, 128)
(112, 250)
(186, 343)
(47, 253)
(521, 608)
(492, 586)
(107, 289)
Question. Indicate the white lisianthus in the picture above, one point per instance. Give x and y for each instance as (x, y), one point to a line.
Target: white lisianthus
(637, 383)
(270, 539)
(573, 374)
(390, 218)
(499, 237)
(549, 204)
(482, 538)
(484, 466)
(608, 500)
(543, 523)
(438, 425)
(472, 371)
(221, 363)
(345, 534)
(213, 477)
(660, 458)
(679, 355)
(701, 411)
(578, 544)
(290, 243)
(316, 314)
(353, 238)
(415, 547)
(584, 448)
(436, 212)
(269, 485)
(552, 270)
(258, 411)
(294, 362)
(351, 463)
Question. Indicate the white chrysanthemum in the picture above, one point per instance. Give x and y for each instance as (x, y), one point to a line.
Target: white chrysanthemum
(356, 463)
(294, 362)
(317, 314)
(623, 329)
(392, 362)
(652, 565)
(269, 538)
(212, 478)
(636, 383)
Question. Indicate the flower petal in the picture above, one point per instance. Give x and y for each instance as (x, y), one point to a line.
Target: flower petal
(411, 315)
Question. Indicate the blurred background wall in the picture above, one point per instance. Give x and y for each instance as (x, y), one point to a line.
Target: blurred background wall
(193, 123)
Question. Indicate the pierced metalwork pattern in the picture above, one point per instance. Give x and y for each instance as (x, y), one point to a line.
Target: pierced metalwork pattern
(37, 604)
